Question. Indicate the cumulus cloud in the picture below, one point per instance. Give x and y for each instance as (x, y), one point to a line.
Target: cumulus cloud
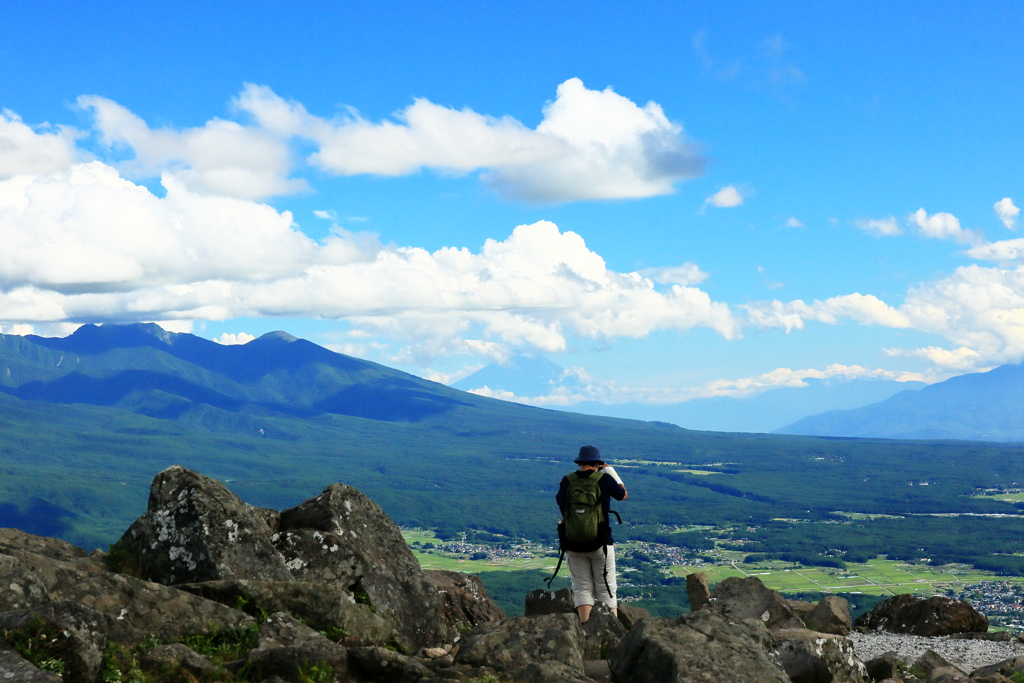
(686, 274)
(229, 339)
(1007, 212)
(26, 150)
(864, 309)
(725, 198)
(880, 227)
(87, 245)
(1001, 251)
(591, 144)
(221, 157)
(944, 226)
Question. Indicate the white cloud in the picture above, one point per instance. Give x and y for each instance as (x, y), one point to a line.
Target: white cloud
(26, 150)
(591, 144)
(880, 227)
(686, 274)
(326, 215)
(725, 198)
(944, 226)
(1001, 251)
(87, 245)
(864, 309)
(961, 359)
(221, 157)
(229, 339)
(587, 389)
(793, 222)
(1007, 212)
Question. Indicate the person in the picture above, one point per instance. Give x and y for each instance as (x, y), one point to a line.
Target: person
(592, 564)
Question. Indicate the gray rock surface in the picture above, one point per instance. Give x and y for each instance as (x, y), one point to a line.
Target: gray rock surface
(16, 669)
(286, 648)
(749, 598)
(968, 655)
(32, 580)
(830, 615)
(704, 647)
(629, 614)
(548, 672)
(322, 556)
(176, 657)
(389, 575)
(195, 529)
(884, 666)
(812, 657)
(541, 601)
(321, 605)
(381, 664)
(506, 646)
(801, 608)
(464, 600)
(602, 632)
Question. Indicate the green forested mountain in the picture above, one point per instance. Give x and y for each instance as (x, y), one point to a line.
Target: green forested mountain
(86, 421)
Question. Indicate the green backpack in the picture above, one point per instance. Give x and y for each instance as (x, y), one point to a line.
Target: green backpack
(583, 514)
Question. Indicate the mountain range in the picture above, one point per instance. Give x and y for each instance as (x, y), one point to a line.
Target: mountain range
(981, 406)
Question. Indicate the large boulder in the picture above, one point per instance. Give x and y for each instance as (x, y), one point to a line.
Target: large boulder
(390, 579)
(540, 601)
(507, 646)
(749, 598)
(195, 529)
(812, 657)
(387, 666)
(289, 650)
(629, 615)
(830, 615)
(70, 633)
(313, 555)
(1006, 667)
(464, 600)
(176, 658)
(30, 580)
(14, 541)
(935, 616)
(324, 606)
(704, 647)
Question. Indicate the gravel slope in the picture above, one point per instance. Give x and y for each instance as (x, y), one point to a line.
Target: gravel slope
(965, 654)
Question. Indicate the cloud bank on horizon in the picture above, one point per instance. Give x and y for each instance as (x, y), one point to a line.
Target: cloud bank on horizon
(85, 241)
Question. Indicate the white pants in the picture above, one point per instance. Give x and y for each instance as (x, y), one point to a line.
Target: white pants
(588, 576)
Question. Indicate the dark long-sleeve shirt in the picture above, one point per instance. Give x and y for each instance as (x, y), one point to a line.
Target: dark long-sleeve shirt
(609, 489)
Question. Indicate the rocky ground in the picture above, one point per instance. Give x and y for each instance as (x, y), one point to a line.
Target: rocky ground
(204, 588)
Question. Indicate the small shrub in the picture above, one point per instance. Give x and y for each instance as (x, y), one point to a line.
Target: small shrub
(39, 644)
(316, 673)
(121, 561)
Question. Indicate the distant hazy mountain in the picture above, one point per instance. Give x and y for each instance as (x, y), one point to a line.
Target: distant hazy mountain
(987, 406)
(537, 376)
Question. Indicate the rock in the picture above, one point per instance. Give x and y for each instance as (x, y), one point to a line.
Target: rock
(320, 556)
(629, 615)
(506, 646)
(831, 615)
(931, 661)
(948, 674)
(996, 636)
(17, 669)
(387, 666)
(883, 667)
(750, 599)
(464, 600)
(935, 616)
(698, 591)
(311, 660)
(801, 608)
(548, 672)
(991, 678)
(289, 649)
(434, 652)
(34, 580)
(272, 518)
(541, 601)
(195, 529)
(324, 606)
(390, 578)
(602, 632)
(13, 541)
(70, 633)
(598, 670)
(812, 657)
(1006, 668)
(174, 657)
(282, 630)
(703, 646)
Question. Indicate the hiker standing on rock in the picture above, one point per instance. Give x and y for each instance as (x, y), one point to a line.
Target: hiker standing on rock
(584, 497)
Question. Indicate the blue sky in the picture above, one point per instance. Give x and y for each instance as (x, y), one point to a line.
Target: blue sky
(238, 168)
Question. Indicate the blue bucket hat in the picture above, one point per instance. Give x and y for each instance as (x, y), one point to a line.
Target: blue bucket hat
(589, 454)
